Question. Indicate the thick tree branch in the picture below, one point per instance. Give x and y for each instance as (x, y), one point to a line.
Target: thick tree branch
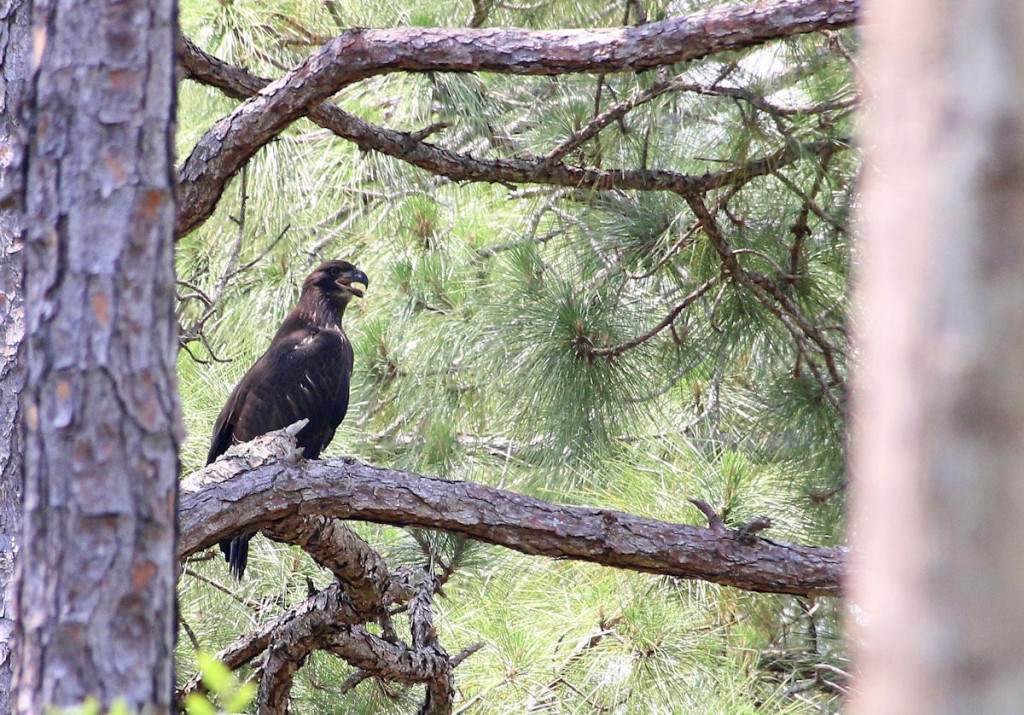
(358, 54)
(283, 660)
(330, 606)
(237, 82)
(266, 483)
(324, 623)
(391, 661)
(440, 690)
(337, 548)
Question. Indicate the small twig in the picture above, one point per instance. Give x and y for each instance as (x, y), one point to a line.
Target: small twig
(775, 300)
(250, 604)
(183, 343)
(817, 497)
(616, 350)
(332, 9)
(782, 272)
(682, 243)
(353, 680)
(838, 671)
(311, 37)
(422, 134)
(468, 651)
(189, 632)
(209, 349)
(638, 10)
(204, 556)
(670, 383)
(263, 254)
(747, 531)
(715, 522)
(481, 10)
(197, 292)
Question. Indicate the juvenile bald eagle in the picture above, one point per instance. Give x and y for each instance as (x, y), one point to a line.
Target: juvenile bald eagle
(304, 374)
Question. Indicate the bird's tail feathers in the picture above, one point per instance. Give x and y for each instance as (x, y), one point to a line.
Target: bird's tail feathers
(236, 553)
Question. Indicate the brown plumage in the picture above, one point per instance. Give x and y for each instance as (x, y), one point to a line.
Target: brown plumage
(304, 374)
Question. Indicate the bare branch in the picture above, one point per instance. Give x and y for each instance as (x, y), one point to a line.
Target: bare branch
(774, 299)
(391, 661)
(359, 676)
(481, 9)
(237, 82)
(714, 520)
(747, 531)
(259, 484)
(329, 606)
(615, 350)
(358, 54)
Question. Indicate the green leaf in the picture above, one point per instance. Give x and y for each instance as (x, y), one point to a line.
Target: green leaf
(216, 676)
(241, 698)
(198, 704)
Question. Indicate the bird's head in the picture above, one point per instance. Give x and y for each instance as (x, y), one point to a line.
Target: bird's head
(336, 279)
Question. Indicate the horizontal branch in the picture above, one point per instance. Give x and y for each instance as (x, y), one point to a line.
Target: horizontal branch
(264, 483)
(238, 83)
(406, 146)
(358, 54)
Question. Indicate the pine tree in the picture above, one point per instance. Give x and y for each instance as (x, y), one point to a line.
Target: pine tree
(626, 348)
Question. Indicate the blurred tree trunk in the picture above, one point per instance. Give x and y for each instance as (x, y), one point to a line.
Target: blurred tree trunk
(939, 445)
(95, 596)
(13, 56)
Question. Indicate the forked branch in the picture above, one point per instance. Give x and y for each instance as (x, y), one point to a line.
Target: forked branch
(264, 485)
(358, 54)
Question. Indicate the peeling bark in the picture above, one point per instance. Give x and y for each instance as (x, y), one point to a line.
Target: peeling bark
(262, 483)
(358, 54)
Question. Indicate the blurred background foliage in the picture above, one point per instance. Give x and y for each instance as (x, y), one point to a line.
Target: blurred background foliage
(475, 349)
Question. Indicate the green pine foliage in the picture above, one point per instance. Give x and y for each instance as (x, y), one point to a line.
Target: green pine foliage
(478, 351)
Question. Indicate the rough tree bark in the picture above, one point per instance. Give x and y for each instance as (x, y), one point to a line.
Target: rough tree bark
(14, 20)
(95, 598)
(938, 498)
(263, 486)
(358, 54)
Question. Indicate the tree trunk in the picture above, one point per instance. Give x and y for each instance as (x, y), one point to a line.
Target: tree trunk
(95, 597)
(939, 449)
(13, 56)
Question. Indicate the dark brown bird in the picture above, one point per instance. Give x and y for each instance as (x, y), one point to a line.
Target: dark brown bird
(304, 374)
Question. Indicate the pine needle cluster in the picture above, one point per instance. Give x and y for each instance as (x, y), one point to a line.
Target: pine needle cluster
(503, 341)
